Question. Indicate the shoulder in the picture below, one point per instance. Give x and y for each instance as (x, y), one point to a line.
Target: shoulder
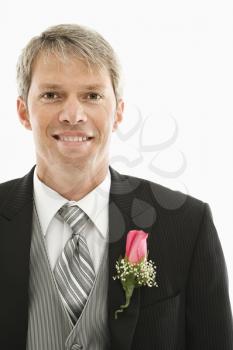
(165, 197)
(17, 187)
(8, 186)
(166, 201)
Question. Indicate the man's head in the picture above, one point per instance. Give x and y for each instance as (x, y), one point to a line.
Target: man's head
(69, 39)
(69, 96)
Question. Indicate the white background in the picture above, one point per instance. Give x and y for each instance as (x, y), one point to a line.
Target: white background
(178, 67)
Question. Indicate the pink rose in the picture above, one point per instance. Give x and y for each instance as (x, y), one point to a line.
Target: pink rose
(136, 246)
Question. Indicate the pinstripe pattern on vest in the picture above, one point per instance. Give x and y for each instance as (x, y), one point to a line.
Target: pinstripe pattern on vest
(50, 327)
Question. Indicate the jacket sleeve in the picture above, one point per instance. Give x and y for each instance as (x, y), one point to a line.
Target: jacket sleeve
(208, 312)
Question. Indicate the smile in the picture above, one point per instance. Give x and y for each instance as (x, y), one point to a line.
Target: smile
(72, 138)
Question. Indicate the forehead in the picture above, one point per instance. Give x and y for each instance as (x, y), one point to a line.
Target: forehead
(53, 67)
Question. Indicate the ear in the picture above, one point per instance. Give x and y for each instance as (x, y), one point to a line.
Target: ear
(23, 113)
(119, 114)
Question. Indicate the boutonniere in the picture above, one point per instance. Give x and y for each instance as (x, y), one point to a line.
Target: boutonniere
(135, 270)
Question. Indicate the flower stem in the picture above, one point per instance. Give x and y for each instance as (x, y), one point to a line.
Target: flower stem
(128, 293)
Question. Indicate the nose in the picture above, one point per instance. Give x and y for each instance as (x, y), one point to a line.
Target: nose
(72, 112)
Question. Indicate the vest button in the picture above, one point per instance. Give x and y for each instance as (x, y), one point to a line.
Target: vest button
(76, 347)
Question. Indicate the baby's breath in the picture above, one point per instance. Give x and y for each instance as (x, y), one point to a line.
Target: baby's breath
(142, 273)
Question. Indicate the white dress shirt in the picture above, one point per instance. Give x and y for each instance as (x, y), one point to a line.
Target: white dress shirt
(56, 231)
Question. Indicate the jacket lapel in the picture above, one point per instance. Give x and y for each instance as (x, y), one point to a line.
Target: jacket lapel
(15, 228)
(122, 206)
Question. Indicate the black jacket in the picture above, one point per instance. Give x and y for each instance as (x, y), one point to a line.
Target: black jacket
(190, 308)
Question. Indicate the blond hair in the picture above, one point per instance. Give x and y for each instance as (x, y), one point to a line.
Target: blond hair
(69, 39)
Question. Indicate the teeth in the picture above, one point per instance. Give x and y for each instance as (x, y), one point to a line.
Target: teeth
(73, 138)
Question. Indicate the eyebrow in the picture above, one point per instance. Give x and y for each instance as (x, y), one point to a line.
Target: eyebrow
(59, 86)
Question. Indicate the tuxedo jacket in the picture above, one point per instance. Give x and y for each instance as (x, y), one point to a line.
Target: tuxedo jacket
(190, 308)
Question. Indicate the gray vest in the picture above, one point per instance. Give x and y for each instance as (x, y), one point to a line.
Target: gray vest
(49, 325)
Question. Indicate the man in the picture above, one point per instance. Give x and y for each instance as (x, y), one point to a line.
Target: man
(64, 225)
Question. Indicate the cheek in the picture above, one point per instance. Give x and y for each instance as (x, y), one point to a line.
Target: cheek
(104, 120)
(40, 119)
(38, 125)
(40, 130)
(105, 130)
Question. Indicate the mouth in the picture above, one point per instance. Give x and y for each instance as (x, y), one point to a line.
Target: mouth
(76, 139)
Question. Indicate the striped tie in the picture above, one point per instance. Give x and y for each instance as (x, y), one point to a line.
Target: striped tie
(74, 271)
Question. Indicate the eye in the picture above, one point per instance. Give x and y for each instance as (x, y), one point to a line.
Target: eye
(50, 95)
(94, 96)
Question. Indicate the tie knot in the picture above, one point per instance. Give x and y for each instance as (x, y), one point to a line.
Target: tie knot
(74, 217)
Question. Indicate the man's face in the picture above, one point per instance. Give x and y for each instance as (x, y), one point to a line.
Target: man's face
(71, 111)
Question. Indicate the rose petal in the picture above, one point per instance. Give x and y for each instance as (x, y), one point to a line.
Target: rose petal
(136, 246)
(142, 249)
(130, 238)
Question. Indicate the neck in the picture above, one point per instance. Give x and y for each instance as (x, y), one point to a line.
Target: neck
(72, 184)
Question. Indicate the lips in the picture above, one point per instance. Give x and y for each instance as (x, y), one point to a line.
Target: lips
(72, 137)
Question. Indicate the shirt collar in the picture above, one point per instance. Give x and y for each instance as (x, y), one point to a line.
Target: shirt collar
(95, 204)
